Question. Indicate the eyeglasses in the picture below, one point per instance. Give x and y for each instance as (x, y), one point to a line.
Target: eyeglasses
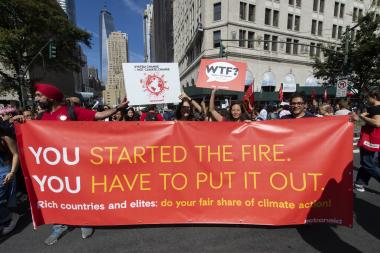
(296, 103)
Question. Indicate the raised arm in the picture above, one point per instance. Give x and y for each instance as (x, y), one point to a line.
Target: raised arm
(193, 102)
(212, 110)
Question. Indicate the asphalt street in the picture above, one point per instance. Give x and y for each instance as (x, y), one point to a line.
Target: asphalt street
(363, 237)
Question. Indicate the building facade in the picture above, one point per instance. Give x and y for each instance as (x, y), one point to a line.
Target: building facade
(117, 55)
(284, 35)
(69, 7)
(163, 30)
(148, 34)
(106, 26)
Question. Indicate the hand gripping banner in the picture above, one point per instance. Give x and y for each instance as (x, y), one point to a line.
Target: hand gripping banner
(278, 172)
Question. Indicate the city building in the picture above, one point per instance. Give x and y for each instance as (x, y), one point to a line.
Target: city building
(106, 26)
(117, 55)
(69, 7)
(163, 30)
(277, 39)
(148, 34)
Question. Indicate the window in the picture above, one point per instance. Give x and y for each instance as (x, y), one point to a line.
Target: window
(275, 18)
(333, 35)
(336, 9)
(315, 5)
(298, 3)
(216, 38)
(318, 51)
(267, 16)
(314, 27)
(266, 41)
(290, 21)
(274, 43)
(321, 6)
(360, 13)
(355, 15)
(320, 28)
(217, 11)
(295, 46)
(297, 21)
(312, 49)
(340, 29)
(341, 13)
(251, 37)
(288, 46)
(242, 34)
(243, 10)
(291, 2)
(251, 12)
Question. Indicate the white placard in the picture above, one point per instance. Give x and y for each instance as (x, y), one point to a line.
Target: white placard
(289, 87)
(341, 88)
(151, 83)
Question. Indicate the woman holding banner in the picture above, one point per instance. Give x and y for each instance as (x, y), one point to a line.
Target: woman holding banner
(185, 110)
(236, 112)
(9, 164)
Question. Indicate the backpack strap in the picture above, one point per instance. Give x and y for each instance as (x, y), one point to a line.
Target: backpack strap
(71, 113)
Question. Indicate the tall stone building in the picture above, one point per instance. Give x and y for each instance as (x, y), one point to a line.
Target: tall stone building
(148, 34)
(117, 55)
(163, 30)
(286, 35)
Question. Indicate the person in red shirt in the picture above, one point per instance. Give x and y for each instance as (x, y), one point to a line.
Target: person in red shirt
(50, 99)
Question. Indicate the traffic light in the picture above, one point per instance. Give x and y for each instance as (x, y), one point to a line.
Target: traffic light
(222, 51)
(52, 50)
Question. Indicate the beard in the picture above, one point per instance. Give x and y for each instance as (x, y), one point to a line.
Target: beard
(45, 105)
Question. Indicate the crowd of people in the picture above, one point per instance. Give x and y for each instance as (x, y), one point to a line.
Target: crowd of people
(51, 105)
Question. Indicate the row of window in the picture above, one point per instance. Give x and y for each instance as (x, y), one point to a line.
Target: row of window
(270, 43)
(248, 11)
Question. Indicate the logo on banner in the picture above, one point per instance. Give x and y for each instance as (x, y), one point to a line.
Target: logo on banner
(154, 86)
(221, 72)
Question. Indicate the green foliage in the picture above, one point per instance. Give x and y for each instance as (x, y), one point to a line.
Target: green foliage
(26, 26)
(363, 57)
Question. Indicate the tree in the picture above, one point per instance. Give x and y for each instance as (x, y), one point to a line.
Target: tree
(26, 28)
(357, 56)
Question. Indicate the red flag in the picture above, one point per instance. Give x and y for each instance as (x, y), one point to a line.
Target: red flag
(325, 95)
(313, 94)
(281, 94)
(250, 94)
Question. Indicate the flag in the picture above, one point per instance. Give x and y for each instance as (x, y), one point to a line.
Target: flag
(250, 94)
(325, 95)
(281, 94)
(313, 94)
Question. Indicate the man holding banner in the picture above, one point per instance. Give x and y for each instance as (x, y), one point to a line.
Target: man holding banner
(50, 98)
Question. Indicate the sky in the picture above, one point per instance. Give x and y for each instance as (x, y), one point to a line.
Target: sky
(128, 18)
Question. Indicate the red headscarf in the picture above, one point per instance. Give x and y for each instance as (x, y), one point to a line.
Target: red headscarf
(49, 91)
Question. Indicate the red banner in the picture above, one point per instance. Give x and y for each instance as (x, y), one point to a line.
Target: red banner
(222, 74)
(276, 172)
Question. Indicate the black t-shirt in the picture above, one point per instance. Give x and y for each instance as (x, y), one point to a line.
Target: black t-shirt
(291, 116)
(373, 110)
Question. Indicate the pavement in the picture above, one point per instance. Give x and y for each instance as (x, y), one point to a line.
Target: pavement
(364, 236)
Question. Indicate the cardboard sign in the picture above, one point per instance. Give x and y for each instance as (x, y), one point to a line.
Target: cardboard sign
(151, 83)
(222, 74)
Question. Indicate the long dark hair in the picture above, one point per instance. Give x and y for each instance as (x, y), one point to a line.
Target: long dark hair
(135, 117)
(243, 115)
(178, 112)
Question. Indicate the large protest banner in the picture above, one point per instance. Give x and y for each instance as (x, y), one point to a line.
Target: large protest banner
(222, 74)
(276, 172)
(151, 83)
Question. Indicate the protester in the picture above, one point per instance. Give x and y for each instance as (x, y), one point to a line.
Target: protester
(297, 107)
(151, 114)
(236, 111)
(131, 115)
(50, 98)
(168, 115)
(185, 110)
(325, 110)
(9, 163)
(369, 142)
(343, 108)
(118, 116)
